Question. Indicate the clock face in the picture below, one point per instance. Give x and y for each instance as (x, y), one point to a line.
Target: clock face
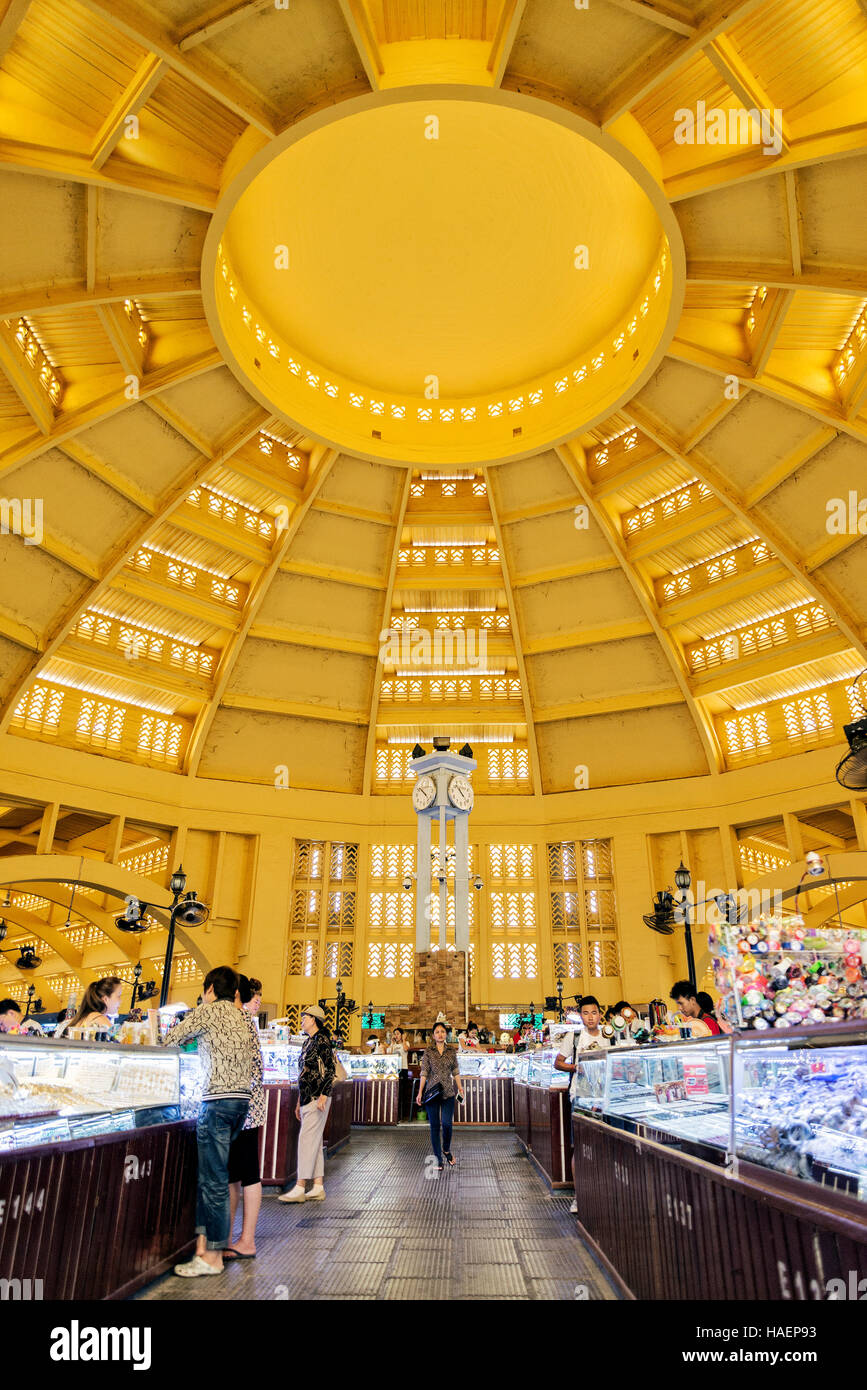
(423, 793)
(461, 793)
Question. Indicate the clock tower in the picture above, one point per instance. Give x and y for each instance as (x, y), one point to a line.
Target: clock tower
(442, 793)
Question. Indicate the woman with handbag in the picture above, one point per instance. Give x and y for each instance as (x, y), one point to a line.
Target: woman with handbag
(438, 1082)
(317, 1074)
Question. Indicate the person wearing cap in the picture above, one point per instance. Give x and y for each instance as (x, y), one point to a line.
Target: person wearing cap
(440, 1073)
(315, 1080)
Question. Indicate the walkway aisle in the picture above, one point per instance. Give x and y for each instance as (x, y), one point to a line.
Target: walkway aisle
(487, 1229)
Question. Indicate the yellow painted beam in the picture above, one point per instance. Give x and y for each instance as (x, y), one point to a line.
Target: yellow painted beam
(126, 487)
(362, 33)
(588, 637)
(121, 333)
(135, 95)
(294, 709)
(793, 222)
(751, 163)
(596, 564)
(257, 593)
(33, 300)
(734, 71)
(834, 279)
(184, 685)
(125, 177)
(218, 20)
(648, 75)
(24, 380)
(770, 318)
(676, 18)
(91, 229)
(203, 72)
(11, 22)
(734, 673)
(385, 622)
(332, 572)
(783, 470)
(571, 455)
(69, 423)
(508, 26)
(114, 568)
(611, 704)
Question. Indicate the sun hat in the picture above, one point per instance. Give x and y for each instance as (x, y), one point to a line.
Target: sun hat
(315, 1012)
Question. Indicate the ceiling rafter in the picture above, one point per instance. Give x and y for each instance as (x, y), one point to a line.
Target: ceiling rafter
(793, 221)
(363, 35)
(508, 26)
(107, 473)
(645, 76)
(735, 72)
(609, 704)
(752, 163)
(573, 458)
(786, 392)
(676, 18)
(205, 73)
(689, 607)
(218, 20)
(24, 380)
(532, 741)
(91, 220)
(11, 22)
(787, 466)
(385, 619)
(757, 524)
(135, 95)
(50, 162)
(70, 423)
(769, 663)
(175, 683)
(137, 536)
(121, 334)
(45, 298)
(833, 279)
(770, 319)
(324, 641)
(295, 709)
(255, 597)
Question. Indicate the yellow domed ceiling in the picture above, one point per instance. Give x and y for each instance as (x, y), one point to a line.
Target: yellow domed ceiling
(219, 570)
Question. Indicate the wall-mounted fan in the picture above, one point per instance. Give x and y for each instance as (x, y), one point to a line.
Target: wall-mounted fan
(852, 769)
(664, 917)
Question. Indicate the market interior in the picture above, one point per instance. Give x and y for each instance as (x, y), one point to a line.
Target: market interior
(432, 583)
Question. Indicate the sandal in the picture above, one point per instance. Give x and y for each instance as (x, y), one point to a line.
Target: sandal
(230, 1254)
(450, 1161)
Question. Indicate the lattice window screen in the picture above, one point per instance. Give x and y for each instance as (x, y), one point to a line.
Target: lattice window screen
(583, 911)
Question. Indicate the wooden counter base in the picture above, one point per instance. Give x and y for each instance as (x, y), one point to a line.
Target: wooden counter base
(542, 1126)
(675, 1227)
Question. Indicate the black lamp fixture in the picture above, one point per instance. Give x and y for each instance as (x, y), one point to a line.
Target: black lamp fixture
(28, 959)
(466, 751)
(682, 879)
(133, 917)
(33, 1005)
(417, 752)
(187, 910)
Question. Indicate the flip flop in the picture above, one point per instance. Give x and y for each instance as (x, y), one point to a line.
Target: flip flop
(231, 1254)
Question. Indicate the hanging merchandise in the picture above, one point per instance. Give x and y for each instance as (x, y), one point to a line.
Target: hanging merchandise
(776, 972)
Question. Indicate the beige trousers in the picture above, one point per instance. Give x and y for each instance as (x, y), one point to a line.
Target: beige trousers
(311, 1160)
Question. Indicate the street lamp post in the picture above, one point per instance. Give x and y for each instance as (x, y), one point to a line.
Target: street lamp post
(683, 879)
(186, 909)
(560, 1014)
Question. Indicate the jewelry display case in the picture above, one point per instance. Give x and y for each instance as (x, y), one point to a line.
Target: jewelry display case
(51, 1091)
(488, 1094)
(588, 1091)
(674, 1092)
(541, 1107)
(542, 1073)
(800, 1105)
(488, 1064)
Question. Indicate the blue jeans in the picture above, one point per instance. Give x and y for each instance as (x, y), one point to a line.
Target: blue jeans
(220, 1121)
(441, 1111)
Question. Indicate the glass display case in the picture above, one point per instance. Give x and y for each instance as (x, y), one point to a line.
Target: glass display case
(541, 1071)
(53, 1091)
(488, 1063)
(364, 1067)
(800, 1104)
(682, 1090)
(588, 1091)
(281, 1063)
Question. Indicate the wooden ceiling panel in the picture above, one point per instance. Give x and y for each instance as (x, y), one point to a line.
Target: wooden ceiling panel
(681, 395)
(649, 745)
(252, 747)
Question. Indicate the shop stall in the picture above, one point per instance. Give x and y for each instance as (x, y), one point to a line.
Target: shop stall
(488, 1086)
(730, 1168)
(375, 1088)
(541, 1114)
(97, 1166)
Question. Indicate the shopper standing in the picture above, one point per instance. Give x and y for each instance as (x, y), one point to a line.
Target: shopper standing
(590, 1039)
(441, 1079)
(315, 1080)
(98, 1009)
(226, 1056)
(245, 1180)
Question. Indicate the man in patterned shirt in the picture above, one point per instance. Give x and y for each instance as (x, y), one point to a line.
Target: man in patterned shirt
(226, 1054)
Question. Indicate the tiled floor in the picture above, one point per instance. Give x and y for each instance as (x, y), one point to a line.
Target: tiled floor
(487, 1229)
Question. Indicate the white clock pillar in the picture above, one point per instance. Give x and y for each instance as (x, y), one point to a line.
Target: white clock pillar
(442, 793)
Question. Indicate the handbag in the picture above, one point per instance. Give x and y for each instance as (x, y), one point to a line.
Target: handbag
(340, 1072)
(434, 1092)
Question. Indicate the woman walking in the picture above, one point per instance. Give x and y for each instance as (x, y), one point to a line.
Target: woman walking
(440, 1079)
(315, 1080)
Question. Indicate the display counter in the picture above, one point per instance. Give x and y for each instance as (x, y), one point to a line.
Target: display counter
(487, 1080)
(541, 1114)
(375, 1087)
(97, 1169)
(731, 1168)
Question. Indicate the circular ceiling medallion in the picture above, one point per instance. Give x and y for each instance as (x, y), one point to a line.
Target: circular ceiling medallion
(443, 275)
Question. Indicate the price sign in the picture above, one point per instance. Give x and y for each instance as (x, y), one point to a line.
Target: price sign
(695, 1079)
